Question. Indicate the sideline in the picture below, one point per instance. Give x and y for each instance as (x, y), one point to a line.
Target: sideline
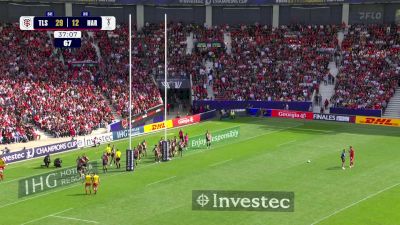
(54, 214)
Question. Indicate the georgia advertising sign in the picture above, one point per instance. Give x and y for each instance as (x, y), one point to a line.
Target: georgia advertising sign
(157, 126)
(291, 114)
(378, 121)
(186, 120)
(333, 117)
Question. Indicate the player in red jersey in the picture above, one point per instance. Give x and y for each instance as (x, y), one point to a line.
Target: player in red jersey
(351, 153)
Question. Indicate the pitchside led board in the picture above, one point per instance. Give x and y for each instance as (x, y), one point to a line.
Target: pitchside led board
(67, 30)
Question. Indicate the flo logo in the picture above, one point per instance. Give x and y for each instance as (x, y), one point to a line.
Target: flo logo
(202, 200)
(242, 201)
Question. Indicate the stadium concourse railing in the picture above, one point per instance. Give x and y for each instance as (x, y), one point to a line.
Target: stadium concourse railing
(84, 142)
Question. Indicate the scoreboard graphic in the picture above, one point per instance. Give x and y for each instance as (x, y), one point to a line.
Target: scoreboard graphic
(67, 30)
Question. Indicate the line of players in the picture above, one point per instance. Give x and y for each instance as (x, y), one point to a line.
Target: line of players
(343, 157)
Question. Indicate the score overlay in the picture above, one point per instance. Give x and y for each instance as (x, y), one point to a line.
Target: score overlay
(67, 23)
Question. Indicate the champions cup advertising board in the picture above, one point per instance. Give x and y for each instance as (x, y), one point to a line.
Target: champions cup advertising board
(378, 121)
(291, 114)
(41, 151)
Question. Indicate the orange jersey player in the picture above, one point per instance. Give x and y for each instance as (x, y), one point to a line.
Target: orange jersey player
(2, 167)
(88, 183)
(95, 182)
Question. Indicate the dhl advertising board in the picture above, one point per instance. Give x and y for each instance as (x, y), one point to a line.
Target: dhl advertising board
(157, 126)
(378, 121)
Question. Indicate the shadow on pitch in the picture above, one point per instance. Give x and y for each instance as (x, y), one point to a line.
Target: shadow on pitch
(334, 168)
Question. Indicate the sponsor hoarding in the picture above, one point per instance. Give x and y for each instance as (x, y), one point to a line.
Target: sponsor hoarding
(378, 121)
(216, 137)
(292, 114)
(51, 180)
(125, 133)
(90, 141)
(157, 126)
(30, 153)
(333, 117)
(186, 120)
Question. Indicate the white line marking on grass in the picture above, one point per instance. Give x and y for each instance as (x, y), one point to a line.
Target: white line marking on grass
(219, 163)
(72, 218)
(286, 143)
(355, 203)
(169, 178)
(54, 214)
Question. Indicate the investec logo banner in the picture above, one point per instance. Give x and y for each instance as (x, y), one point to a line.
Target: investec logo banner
(52, 180)
(218, 136)
(243, 201)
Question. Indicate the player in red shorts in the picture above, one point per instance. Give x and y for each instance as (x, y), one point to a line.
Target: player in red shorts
(351, 153)
(2, 166)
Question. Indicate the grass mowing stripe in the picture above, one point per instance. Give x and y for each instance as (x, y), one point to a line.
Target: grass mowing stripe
(355, 203)
(54, 214)
(159, 181)
(76, 219)
(219, 163)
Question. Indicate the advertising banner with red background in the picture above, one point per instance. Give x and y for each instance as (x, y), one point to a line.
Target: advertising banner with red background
(186, 120)
(291, 114)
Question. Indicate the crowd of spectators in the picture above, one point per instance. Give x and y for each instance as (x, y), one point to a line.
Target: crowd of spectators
(369, 74)
(36, 88)
(283, 64)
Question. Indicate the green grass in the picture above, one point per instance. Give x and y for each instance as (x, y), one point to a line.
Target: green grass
(269, 155)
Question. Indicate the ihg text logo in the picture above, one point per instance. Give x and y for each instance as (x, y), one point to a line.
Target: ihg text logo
(242, 200)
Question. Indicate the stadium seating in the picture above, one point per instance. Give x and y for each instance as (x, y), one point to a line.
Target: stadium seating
(368, 76)
(39, 86)
(284, 64)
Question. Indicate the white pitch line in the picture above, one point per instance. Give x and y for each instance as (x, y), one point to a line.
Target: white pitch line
(219, 163)
(54, 214)
(355, 203)
(77, 219)
(169, 178)
(286, 143)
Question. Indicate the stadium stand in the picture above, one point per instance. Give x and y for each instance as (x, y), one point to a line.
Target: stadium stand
(369, 75)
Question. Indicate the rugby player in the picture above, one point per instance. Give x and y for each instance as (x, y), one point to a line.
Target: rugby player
(136, 155)
(144, 146)
(2, 167)
(157, 154)
(180, 148)
(351, 153)
(181, 135)
(118, 158)
(343, 158)
(108, 150)
(112, 155)
(186, 140)
(105, 162)
(88, 183)
(208, 139)
(95, 182)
